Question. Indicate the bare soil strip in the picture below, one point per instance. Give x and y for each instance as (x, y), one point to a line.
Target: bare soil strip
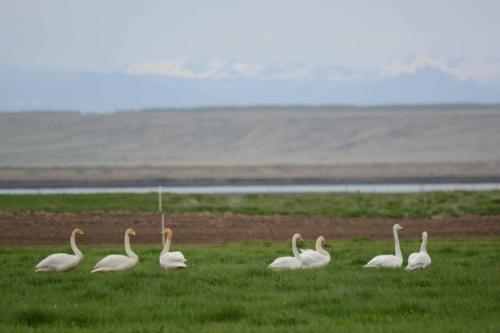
(106, 229)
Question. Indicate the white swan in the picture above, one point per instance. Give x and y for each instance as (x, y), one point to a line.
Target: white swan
(419, 259)
(62, 262)
(389, 260)
(169, 260)
(116, 262)
(315, 259)
(289, 262)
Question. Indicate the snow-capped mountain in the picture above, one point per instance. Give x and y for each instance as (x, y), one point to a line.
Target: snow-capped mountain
(192, 83)
(216, 69)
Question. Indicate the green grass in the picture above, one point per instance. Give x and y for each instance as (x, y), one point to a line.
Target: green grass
(424, 205)
(227, 288)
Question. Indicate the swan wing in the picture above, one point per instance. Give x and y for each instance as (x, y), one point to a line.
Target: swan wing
(314, 259)
(418, 260)
(58, 262)
(178, 256)
(173, 260)
(113, 262)
(285, 263)
(386, 260)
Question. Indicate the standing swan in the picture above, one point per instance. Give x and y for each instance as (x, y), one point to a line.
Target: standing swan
(117, 262)
(289, 262)
(419, 259)
(169, 260)
(389, 260)
(315, 259)
(62, 262)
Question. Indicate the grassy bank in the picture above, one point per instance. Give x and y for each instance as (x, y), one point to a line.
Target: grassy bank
(421, 205)
(227, 288)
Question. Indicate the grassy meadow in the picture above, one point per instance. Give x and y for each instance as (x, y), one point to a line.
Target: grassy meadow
(419, 205)
(227, 288)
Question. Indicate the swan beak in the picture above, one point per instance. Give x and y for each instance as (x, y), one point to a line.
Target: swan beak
(402, 228)
(132, 233)
(301, 241)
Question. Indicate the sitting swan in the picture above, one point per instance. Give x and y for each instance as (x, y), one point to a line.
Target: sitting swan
(389, 260)
(419, 259)
(62, 262)
(116, 262)
(315, 259)
(169, 260)
(289, 262)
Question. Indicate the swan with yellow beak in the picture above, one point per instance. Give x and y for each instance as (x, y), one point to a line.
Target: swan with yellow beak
(62, 262)
(118, 262)
(315, 258)
(294, 262)
(171, 260)
(389, 260)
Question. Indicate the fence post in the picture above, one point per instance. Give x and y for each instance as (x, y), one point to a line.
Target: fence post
(160, 209)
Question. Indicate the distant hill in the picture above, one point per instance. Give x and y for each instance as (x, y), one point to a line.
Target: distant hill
(115, 91)
(253, 136)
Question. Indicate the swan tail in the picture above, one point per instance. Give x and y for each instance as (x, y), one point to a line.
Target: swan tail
(174, 266)
(42, 269)
(100, 269)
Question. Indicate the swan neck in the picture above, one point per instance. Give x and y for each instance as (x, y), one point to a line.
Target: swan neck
(72, 242)
(294, 248)
(128, 250)
(423, 246)
(397, 248)
(319, 247)
(166, 248)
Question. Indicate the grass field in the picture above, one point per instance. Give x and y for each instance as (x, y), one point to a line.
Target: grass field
(227, 288)
(421, 205)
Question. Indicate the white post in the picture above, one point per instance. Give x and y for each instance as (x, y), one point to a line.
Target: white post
(160, 208)
(163, 228)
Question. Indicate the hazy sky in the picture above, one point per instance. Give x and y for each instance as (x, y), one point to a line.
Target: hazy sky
(394, 36)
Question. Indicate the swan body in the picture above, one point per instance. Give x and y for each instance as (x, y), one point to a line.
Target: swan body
(315, 258)
(419, 259)
(171, 260)
(289, 262)
(62, 262)
(389, 260)
(117, 262)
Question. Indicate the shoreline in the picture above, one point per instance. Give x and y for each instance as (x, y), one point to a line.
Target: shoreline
(142, 176)
(41, 184)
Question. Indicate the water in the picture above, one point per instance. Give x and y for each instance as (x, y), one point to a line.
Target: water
(255, 189)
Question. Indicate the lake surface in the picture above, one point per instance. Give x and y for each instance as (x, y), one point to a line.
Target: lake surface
(254, 189)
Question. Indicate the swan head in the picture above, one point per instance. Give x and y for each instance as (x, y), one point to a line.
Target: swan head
(79, 231)
(322, 240)
(298, 238)
(398, 227)
(130, 231)
(167, 232)
(424, 235)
